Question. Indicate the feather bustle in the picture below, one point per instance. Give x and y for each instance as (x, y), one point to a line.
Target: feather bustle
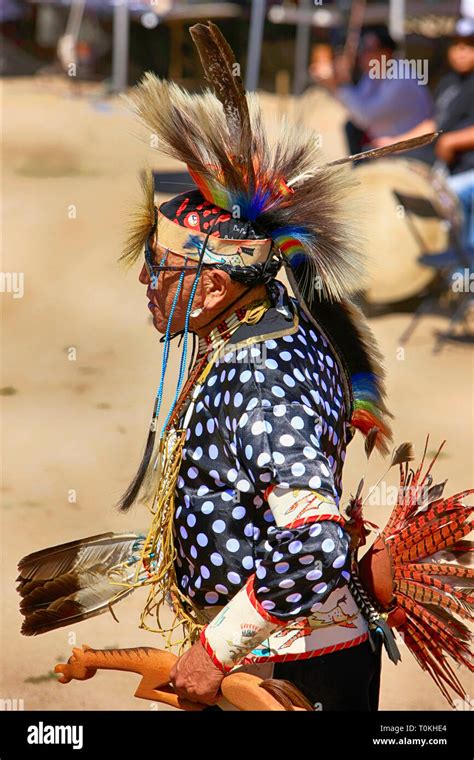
(432, 575)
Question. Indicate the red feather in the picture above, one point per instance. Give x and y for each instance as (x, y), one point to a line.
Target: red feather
(431, 579)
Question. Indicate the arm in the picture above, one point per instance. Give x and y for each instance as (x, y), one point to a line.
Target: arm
(450, 143)
(423, 128)
(314, 570)
(302, 567)
(305, 550)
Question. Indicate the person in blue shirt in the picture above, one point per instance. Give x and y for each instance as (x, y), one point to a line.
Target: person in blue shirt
(390, 99)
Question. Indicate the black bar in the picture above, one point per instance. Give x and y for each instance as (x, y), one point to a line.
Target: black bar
(173, 734)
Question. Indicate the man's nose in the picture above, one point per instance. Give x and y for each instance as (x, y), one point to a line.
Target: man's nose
(144, 277)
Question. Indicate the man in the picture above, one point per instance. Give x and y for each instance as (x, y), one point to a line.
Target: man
(257, 498)
(245, 480)
(381, 109)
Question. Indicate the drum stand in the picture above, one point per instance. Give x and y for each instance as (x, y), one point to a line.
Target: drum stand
(445, 265)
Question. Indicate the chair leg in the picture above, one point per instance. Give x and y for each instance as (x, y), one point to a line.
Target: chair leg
(457, 317)
(421, 310)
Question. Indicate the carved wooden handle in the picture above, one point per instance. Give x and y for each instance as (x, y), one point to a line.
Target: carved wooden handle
(242, 690)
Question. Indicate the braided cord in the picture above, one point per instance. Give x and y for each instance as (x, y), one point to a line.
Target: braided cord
(164, 361)
(184, 351)
(362, 599)
(182, 364)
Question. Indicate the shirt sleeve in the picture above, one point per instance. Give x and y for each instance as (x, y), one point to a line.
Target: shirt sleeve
(305, 553)
(306, 548)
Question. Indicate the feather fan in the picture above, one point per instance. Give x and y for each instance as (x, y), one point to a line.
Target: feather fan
(64, 584)
(431, 574)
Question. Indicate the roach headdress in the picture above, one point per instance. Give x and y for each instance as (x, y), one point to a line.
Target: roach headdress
(300, 212)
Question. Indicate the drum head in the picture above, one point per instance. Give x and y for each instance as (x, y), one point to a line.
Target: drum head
(394, 241)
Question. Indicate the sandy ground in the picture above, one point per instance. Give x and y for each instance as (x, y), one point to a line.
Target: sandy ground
(81, 424)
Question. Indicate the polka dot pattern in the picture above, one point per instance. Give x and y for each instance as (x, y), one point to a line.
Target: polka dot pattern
(274, 414)
(313, 564)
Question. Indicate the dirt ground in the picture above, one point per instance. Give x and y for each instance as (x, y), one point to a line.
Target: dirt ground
(79, 426)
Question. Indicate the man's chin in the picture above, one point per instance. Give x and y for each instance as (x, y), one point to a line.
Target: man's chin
(159, 323)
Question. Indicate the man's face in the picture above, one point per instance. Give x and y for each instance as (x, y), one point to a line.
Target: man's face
(215, 290)
(162, 290)
(461, 56)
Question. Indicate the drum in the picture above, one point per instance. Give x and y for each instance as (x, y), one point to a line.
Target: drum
(409, 210)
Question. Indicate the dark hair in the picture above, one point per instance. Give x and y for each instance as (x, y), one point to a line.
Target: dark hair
(382, 34)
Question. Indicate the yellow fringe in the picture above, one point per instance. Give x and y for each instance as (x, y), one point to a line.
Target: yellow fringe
(256, 310)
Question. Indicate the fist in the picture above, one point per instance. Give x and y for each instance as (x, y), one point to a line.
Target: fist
(195, 677)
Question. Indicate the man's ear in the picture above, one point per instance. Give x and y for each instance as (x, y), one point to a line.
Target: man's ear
(217, 285)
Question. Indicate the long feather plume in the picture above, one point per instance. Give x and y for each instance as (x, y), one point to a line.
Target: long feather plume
(398, 147)
(223, 74)
(64, 584)
(353, 341)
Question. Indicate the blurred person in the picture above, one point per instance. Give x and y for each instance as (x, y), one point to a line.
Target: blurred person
(453, 115)
(380, 108)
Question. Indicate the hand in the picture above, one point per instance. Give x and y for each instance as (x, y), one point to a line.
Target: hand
(382, 142)
(195, 677)
(445, 149)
